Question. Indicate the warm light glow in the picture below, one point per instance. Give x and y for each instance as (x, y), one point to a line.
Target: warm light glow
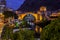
(36, 29)
(17, 12)
(40, 29)
(54, 14)
(58, 13)
(1, 26)
(1, 15)
(43, 8)
(21, 16)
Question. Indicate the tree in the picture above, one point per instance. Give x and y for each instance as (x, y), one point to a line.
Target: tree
(9, 14)
(29, 35)
(18, 35)
(51, 31)
(7, 33)
(24, 35)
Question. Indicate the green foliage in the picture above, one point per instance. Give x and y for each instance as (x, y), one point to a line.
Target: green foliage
(19, 35)
(24, 35)
(51, 31)
(24, 24)
(7, 33)
(29, 35)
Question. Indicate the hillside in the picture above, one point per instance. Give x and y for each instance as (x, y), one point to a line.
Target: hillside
(34, 5)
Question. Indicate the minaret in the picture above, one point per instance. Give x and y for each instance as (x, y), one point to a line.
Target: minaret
(2, 5)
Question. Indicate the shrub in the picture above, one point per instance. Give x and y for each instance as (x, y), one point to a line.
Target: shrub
(19, 35)
(51, 31)
(7, 33)
(25, 35)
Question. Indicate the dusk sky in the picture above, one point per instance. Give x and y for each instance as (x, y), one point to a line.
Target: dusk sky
(14, 4)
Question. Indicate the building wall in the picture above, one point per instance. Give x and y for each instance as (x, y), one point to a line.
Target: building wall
(1, 22)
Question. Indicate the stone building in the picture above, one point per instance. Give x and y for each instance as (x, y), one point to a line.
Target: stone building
(2, 7)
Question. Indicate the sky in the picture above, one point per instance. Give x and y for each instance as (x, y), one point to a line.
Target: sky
(14, 4)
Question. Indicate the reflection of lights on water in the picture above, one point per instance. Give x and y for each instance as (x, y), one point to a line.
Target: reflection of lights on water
(38, 29)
